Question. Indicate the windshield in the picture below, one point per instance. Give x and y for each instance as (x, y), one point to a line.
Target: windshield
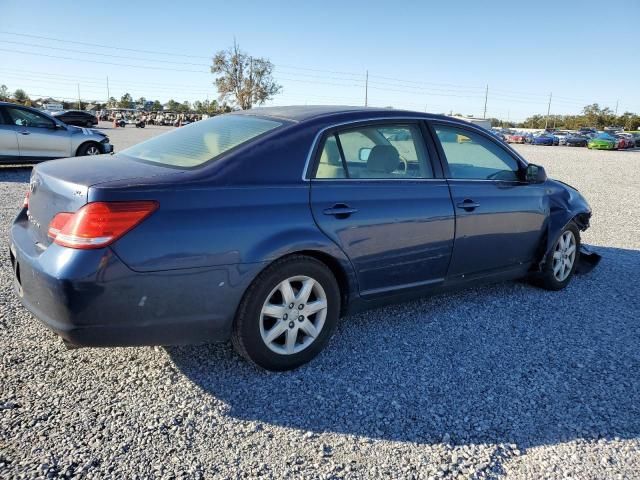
(605, 136)
(202, 141)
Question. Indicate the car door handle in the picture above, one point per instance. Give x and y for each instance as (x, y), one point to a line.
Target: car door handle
(468, 205)
(340, 210)
(25, 132)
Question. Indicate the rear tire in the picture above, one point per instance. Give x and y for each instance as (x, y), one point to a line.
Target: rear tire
(279, 327)
(561, 262)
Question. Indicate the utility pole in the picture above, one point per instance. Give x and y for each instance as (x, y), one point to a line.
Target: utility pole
(108, 94)
(486, 94)
(616, 108)
(546, 122)
(366, 89)
(79, 105)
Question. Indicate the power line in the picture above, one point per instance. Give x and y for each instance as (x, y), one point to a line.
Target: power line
(155, 52)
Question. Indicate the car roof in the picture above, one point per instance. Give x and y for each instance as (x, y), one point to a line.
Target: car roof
(302, 113)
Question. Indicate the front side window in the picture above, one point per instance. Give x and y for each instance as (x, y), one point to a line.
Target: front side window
(27, 118)
(473, 156)
(375, 152)
(201, 142)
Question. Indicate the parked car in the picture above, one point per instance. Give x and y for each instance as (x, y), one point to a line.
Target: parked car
(264, 226)
(515, 138)
(590, 132)
(636, 138)
(561, 136)
(28, 135)
(575, 140)
(603, 141)
(78, 118)
(543, 139)
(498, 134)
(622, 142)
(629, 140)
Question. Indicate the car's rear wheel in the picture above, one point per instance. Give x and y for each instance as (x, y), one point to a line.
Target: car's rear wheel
(90, 148)
(562, 260)
(288, 314)
(89, 123)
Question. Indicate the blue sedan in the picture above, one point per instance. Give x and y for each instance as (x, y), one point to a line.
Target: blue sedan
(544, 139)
(265, 226)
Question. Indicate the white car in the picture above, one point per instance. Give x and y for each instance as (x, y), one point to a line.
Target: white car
(28, 135)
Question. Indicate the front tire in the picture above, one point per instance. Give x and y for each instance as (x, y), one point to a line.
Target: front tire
(561, 262)
(90, 148)
(288, 314)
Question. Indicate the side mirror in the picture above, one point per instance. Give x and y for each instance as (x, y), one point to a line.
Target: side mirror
(59, 127)
(535, 174)
(363, 154)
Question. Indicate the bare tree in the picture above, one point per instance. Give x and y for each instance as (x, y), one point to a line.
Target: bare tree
(244, 80)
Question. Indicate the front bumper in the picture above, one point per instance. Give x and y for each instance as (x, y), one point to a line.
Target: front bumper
(106, 147)
(91, 298)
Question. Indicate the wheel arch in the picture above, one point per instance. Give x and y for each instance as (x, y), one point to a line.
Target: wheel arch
(83, 144)
(339, 266)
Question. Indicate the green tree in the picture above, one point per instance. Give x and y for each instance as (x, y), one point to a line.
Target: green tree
(157, 106)
(594, 116)
(173, 106)
(243, 79)
(125, 101)
(112, 103)
(184, 107)
(4, 93)
(20, 96)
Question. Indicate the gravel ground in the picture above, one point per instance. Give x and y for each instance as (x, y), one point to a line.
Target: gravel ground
(501, 381)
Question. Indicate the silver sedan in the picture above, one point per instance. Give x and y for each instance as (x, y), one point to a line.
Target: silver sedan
(28, 135)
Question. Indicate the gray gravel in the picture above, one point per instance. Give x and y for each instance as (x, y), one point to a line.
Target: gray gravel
(502, 381)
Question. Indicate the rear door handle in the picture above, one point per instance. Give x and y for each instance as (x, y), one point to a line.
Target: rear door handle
(340, 210)
(468, 205)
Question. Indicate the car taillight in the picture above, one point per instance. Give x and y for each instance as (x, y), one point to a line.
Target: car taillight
(98, 224)
(25, 202)
(59, 221)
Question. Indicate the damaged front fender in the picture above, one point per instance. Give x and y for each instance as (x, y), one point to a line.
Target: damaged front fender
(566, 205)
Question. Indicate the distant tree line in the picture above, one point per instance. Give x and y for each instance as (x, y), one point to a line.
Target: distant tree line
(592, 116)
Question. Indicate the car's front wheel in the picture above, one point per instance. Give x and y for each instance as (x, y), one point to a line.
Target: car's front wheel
(89, 149)
(562, 260)
(288, 314)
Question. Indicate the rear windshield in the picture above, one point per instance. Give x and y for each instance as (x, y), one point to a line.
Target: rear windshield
(202, 141)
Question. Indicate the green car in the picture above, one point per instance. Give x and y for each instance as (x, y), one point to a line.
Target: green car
(603, 141)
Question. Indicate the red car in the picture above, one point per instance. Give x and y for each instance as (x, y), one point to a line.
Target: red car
(515, 138)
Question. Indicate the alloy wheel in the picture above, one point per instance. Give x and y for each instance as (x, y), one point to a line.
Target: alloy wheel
(293, 315)
(564, 255)
(93, 150)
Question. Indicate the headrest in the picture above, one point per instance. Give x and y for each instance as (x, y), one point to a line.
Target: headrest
(330, 153)
(383, 159)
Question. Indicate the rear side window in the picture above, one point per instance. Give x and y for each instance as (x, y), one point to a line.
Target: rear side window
(375, 152)
(202, 141)
(472, 156)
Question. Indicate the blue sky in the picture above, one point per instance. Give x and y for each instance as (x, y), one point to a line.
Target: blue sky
(437, 56)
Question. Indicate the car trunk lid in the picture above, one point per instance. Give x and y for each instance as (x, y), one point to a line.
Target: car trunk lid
(63, 185)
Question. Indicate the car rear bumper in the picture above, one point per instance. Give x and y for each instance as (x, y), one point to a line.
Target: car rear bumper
(91, 298)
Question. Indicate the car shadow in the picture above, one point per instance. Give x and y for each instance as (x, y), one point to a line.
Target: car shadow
(15, 173)
(504, 363)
